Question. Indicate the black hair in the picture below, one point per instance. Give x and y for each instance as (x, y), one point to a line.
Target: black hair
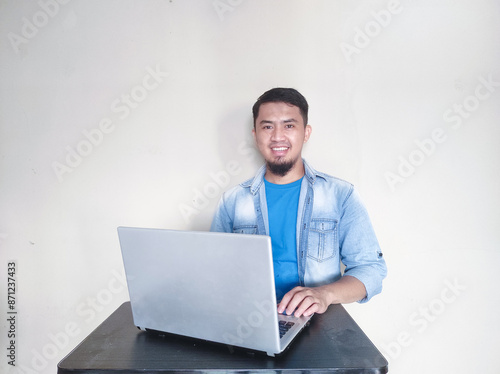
(282, 95)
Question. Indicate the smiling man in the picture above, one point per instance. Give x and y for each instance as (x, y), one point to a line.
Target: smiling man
(280, 132)
(315, 221)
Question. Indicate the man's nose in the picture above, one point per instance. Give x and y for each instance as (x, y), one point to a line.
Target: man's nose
(278, 133)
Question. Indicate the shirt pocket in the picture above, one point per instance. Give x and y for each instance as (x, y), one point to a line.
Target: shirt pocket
(322, 242)
(250, 230)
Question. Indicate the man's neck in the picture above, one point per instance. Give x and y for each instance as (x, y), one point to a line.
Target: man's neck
(295, 173)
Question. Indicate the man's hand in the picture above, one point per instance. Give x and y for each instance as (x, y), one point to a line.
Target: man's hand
(306, 301)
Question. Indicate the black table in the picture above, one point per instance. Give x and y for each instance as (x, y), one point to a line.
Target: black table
(333, 343)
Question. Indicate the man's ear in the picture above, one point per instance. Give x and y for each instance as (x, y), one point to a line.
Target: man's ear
(307, 134)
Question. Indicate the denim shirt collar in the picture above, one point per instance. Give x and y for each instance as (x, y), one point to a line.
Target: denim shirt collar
(256, 182)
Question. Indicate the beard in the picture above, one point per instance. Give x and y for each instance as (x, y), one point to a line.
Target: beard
(280, 168)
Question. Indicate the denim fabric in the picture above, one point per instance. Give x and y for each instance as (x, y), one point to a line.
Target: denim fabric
(332, 227)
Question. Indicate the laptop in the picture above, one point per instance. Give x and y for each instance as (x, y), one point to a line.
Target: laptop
(218, 287)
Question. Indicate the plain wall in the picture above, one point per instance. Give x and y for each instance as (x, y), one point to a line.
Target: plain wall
(138, 113)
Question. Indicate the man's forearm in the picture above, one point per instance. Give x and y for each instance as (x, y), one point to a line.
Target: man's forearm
(346, 290)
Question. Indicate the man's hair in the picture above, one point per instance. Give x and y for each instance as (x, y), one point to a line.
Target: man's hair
(282, 95)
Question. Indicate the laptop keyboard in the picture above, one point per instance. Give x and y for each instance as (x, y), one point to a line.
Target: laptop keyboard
(284, 326)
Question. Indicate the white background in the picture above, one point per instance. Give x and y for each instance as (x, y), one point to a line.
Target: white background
(380, 77)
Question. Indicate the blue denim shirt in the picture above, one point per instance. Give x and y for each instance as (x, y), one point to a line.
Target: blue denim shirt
(332, 227)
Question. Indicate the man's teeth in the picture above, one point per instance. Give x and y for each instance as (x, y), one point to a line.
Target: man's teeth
(280, 149)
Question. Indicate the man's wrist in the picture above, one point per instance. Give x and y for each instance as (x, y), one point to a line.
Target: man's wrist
(347, 289)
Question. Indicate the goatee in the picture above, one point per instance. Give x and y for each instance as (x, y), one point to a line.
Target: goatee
(280, 168)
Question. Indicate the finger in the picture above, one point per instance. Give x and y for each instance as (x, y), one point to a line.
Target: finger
(318, 307)
(307, 303)
(297, 300)
(283, 303)
(315, 308)
(282, 306)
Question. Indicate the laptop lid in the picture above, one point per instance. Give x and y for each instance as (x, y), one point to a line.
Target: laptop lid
(212, 286)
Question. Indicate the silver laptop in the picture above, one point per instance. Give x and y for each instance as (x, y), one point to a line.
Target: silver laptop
(213, 286)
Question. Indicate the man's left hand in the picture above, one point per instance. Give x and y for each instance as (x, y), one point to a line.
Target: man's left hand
(304, 301)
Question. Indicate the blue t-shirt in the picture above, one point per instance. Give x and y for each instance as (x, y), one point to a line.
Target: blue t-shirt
(282, 206)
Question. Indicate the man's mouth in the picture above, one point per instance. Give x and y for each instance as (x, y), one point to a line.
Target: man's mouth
(279, 149)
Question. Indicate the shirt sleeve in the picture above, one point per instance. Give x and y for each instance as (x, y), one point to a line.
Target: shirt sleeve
(359, 248)
(222, 221)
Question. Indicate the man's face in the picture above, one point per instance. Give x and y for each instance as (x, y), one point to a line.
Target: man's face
(280, 134)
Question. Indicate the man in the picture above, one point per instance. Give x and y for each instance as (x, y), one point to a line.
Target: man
(315, 221)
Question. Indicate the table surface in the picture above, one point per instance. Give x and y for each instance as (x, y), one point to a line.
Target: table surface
(332, 343)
